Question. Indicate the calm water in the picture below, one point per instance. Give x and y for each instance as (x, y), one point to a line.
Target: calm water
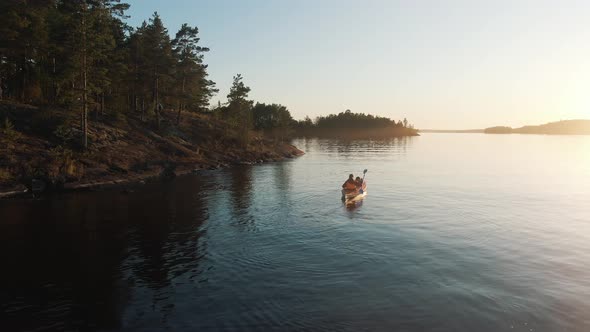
(458, 233)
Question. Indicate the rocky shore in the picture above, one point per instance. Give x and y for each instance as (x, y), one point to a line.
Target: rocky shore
(38, 150)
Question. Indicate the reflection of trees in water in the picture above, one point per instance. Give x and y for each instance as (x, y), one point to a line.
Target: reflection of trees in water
(67, 264)
(404, 142)
(151, 218)
(241, 192)
(282, 186)
(168, 237)
(75, 259)
(282, 176)
(356, 148)
(308, 144)
(304, 143)
(241, 189)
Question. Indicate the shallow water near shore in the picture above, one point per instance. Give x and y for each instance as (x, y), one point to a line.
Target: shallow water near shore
(459, 232)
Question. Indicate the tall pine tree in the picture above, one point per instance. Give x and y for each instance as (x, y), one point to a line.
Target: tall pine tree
(192, 87)
(159, 61)
(240, 108)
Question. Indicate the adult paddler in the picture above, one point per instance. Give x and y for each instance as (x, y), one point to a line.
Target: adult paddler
(350, 184)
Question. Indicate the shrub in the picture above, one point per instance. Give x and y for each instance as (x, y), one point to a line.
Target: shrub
(5, 176)
(9, 131)
(66, 166)
(64, 133)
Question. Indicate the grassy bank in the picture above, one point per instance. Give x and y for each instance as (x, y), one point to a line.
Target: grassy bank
(42, 143)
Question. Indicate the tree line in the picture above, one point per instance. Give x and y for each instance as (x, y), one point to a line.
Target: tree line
(81, 55)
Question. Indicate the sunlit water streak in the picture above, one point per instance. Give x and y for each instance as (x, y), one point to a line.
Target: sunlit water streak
(458, 233)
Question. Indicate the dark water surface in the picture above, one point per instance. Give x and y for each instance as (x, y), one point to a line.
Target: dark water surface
(458, 233)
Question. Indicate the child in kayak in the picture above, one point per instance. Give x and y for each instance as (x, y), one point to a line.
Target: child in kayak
(360, 184)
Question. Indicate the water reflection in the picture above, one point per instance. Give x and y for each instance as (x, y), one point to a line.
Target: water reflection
(240, 187)
(168, 242)
(79, 257)
(60, 270)
(282, 177)
(271, 247)
(355, 149)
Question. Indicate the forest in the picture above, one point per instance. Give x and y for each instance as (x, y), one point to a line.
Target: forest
(81, 55)
(84, 96)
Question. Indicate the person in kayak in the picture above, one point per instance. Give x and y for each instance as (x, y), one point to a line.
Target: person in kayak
(350, 184)
(360, 184)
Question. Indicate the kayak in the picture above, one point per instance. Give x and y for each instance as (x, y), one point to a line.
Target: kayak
(352, 196)
(350, 199)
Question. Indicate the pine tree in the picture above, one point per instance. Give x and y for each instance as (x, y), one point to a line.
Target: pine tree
(159, 61)
(23, 42)
(86, 56)
(192, 86)
(138, 75)
(240, 108)
(107, 48)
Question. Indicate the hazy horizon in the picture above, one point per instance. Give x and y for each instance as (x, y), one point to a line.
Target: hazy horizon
(503, 125)
(457, 65)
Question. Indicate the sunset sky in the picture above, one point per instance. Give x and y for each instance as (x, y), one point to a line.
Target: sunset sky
(442, 64)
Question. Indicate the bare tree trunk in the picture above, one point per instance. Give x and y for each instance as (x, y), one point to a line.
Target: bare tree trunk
(54, 84)
(143, 109)
(102, 104)
(84, 82)
(157, 102)
(180, 104)
(24, 77)
(135, 104)
(178, 114)
(96, 98)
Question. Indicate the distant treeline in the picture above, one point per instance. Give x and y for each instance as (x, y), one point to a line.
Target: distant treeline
(568, 127)
(352, 124)
(451, 131)
(80, 55)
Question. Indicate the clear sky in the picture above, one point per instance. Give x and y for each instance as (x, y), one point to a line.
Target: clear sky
(453, 64)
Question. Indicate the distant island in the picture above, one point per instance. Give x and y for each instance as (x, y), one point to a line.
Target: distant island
(567, 127)
(352, 125)
(564, 127)
(466, 131)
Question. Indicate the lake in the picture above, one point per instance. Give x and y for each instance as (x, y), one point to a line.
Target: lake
(459, 232)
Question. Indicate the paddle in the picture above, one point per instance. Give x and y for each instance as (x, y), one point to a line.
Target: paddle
(364, 173)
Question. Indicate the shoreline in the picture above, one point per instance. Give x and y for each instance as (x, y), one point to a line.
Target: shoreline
(43, 154)
(160, 174)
